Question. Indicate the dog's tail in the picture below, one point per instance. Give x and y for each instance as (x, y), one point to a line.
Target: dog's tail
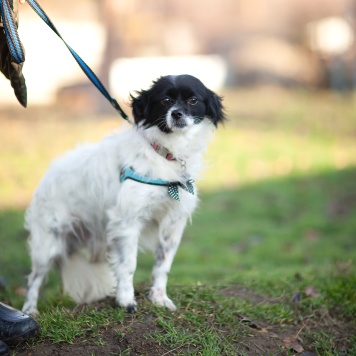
(87, 282)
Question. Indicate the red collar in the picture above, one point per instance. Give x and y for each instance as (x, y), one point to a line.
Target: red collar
(162, 151)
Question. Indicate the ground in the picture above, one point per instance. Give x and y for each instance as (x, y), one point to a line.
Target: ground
(148, 332)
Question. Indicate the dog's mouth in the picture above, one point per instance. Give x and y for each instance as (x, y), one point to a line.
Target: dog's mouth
(177, 119)
(179, 124)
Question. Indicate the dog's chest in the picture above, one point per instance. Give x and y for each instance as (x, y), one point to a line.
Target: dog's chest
(150, 201)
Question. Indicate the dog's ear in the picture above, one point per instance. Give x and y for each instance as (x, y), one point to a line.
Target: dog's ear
(140, 106)
(215, 108)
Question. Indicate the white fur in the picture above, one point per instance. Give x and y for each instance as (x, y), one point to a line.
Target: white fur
(80, 205)
(87, 282)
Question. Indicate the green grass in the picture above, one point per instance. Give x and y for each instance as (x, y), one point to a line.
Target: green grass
(283, 226)
(274, 238)
(63, 326)
(277, 215)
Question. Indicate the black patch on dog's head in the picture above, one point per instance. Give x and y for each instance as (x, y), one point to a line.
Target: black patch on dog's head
(184, 92)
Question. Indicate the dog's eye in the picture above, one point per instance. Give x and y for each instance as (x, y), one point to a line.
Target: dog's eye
(166, 101)
(192, 101)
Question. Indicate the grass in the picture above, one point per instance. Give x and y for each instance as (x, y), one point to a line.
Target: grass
(210, 322)
(277, 217)
(61, 325)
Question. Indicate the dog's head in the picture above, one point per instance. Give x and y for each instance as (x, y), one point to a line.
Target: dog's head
(175, 103)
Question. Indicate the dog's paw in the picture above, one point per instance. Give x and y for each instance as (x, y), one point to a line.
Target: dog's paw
(161, 299)
(128, 304)
(30, 311)
(131, 309)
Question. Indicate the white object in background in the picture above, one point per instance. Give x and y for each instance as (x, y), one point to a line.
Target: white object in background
(130, 74)
(49, 65)
(331, 35)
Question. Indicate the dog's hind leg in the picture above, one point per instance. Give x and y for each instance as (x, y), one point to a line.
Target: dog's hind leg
(171, 232)
(35, 280)
(45, 249)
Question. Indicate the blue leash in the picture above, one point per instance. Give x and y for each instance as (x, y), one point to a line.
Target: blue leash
(18, 54)
(12, 37)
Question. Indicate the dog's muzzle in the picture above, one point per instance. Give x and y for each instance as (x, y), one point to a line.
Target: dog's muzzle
(178, 119)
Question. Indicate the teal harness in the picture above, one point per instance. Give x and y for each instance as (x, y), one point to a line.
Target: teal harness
(129, 173)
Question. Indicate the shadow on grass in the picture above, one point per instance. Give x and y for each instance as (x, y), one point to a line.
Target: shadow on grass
(266, 236)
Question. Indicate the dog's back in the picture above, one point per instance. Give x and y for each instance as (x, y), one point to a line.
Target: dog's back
(67, 222)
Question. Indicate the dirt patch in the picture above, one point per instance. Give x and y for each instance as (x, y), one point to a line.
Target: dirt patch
(109, 345)
(133, 339)
(246, 294)
(129, 339)
(265, 339)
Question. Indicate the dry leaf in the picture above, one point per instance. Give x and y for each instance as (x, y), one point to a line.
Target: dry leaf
(310, 291)
(251, 323)
(273, 335)
(21, 291)
(292, 344)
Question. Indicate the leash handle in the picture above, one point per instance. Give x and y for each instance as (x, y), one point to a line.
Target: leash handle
(12, 37)
(86, 69)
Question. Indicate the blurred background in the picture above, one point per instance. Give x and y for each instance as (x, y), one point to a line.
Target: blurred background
(280, 186)
(264, 56)
(230, 43)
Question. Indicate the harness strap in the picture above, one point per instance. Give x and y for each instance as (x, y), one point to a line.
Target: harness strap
(129, 173)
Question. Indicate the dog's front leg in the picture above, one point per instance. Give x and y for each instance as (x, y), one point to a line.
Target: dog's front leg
(170, 236)
(123, 238)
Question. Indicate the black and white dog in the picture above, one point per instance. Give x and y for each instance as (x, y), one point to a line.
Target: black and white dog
(100, 202)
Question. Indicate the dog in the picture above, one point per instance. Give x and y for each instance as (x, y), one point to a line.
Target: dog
(98, 204)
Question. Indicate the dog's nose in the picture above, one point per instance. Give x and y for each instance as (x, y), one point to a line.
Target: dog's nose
(176, 114)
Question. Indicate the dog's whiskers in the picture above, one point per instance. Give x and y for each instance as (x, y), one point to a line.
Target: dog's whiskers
(159, 122)
(198, 119)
